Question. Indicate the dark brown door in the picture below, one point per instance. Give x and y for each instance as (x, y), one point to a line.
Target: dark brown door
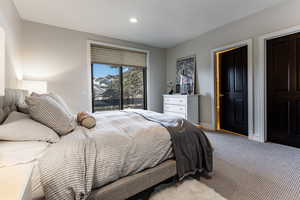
(234, 91)
(283, 94)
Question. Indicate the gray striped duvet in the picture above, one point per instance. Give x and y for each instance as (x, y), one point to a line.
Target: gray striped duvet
(121, 144)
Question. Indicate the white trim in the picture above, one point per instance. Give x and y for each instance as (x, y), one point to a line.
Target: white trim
(205, 125)
(89, 63)
(262, 79)
(248, 43)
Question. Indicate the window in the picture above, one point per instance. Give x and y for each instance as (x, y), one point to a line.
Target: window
(120, 84)
(134, 87)
(106, 87)
(118, 87)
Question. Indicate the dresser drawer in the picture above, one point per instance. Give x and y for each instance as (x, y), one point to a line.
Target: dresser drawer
(175, 101)
(176, 114)
(175, 108)
(184, 106)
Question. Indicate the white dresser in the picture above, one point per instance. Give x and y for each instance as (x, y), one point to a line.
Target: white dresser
(186, 106)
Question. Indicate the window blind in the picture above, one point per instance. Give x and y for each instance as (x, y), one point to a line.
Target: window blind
(115, 56)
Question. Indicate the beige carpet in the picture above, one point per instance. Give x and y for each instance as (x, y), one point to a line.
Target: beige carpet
(190, 189)
(248, 170)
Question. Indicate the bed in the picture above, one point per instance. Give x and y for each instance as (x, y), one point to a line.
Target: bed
(120, 188)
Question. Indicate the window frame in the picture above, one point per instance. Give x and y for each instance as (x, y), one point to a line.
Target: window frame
(121, 107)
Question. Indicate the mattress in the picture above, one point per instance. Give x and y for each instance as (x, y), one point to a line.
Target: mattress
(18, 153)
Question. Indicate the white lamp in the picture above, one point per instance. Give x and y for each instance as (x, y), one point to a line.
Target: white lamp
(2, 62)
(35, 86)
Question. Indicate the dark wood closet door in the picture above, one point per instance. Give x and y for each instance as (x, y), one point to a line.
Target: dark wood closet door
(234, 91)
(283, 82)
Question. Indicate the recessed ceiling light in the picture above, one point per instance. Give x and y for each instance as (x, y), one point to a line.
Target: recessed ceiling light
(133, 20)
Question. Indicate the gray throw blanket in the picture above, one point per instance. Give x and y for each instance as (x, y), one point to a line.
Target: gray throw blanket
(192, 149)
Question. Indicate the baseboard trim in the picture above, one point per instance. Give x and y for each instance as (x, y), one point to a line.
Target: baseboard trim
(205, 126)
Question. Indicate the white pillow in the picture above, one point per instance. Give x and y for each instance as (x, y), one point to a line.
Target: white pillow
(27, 130)
(15, 116)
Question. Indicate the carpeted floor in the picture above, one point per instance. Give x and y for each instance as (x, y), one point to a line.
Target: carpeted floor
(190, 189)
(248, 170)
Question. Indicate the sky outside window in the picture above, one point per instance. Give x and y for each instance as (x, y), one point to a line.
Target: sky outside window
(102, 70)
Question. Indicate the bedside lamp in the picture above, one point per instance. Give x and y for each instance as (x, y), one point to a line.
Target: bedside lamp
(35, 86)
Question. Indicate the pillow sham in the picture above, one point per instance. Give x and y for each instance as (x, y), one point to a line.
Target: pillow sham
(46, 110)
(57, 98)
(27, 130)
(15, 116)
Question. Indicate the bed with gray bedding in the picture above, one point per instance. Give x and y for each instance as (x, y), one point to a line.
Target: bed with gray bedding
(126, 153)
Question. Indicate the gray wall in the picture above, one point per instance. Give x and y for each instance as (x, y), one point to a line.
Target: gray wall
(270, 20)
(11, 23)
(59, 56)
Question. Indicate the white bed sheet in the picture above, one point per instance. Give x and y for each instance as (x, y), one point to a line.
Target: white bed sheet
(17, 153)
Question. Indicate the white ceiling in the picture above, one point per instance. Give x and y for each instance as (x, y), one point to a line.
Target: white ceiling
(162, 23)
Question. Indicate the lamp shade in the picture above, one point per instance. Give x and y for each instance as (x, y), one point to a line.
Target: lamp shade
(35, 86)
(2, 62)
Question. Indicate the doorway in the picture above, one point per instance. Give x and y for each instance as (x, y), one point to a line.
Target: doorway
(232, 90)
(283, 90)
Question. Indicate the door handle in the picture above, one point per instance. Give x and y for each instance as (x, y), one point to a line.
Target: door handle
(221, 95)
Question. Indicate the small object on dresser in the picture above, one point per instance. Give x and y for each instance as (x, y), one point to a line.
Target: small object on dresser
(177, 88)
(189, 89)
(170, 87)
(86, 120)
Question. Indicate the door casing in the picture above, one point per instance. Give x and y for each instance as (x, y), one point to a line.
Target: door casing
(261, 121)
(214, 92)
(283, 97)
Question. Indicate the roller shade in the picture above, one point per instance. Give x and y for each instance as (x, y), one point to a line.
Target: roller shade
(114, 56)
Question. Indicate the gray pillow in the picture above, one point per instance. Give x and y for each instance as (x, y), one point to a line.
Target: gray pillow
(57, 98)
(15, 116)
(46, 110)
(27, 130)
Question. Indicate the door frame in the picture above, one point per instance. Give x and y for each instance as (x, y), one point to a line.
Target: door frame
(214, 93)
(262, 79)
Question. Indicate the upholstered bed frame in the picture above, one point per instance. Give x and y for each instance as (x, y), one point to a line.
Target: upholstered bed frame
(119, 190)
(10, 102)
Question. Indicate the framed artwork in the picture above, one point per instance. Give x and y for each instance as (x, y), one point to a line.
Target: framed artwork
(185, 75)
